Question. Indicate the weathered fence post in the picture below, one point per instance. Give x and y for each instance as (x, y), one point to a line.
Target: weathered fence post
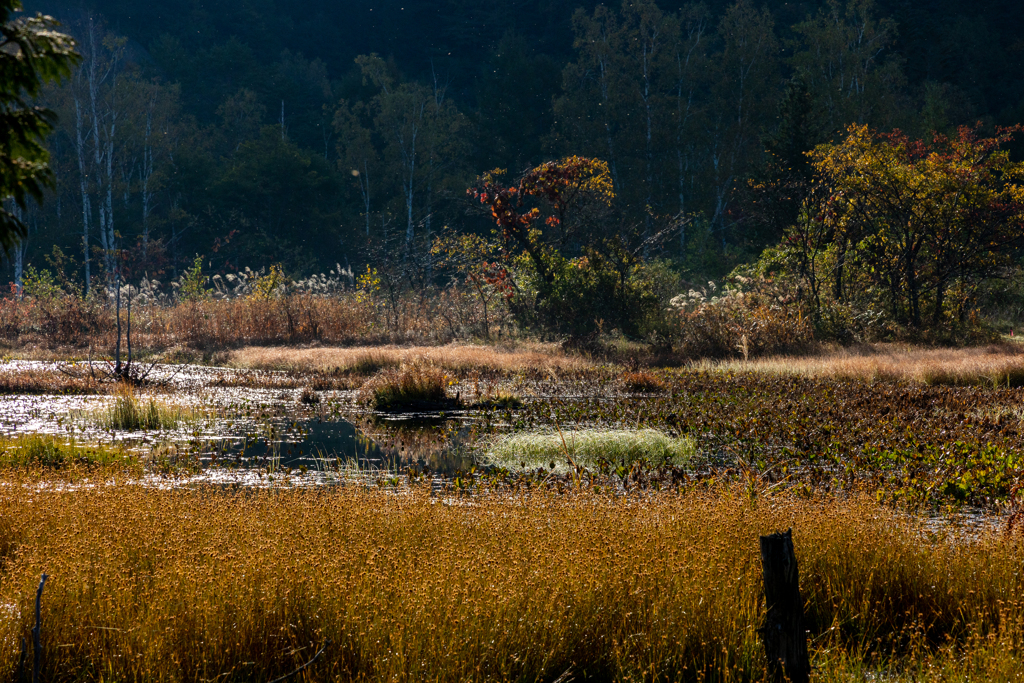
(784, 635)
(37, 632)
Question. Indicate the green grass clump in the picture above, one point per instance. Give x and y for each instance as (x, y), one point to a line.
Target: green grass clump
(410, 387)
(52, 453)
(589, 447)
(130, 413)
(501, 400)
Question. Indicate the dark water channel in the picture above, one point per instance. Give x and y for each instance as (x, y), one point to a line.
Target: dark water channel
(303, 444)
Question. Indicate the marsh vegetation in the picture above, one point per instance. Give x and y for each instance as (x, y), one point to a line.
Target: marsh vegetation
(604, 523)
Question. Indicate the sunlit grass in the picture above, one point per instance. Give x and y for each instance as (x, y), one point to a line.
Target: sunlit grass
(49, 452)
(34, 380)
(367, 360)
(990, 366)
(189, 584)
(588, 448)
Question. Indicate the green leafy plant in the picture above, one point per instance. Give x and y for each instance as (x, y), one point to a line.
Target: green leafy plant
(193, 284)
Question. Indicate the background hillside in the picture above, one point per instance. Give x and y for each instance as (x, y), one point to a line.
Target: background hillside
(259, 117)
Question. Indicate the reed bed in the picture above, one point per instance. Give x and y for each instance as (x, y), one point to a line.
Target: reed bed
(993, 366)
(19, 380)
(589, 448)
(343, 318)
(205, 584)
(462, 358)
(130, 412)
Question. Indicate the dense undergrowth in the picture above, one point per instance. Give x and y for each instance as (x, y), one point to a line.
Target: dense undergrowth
(188, 585)
(745, 317)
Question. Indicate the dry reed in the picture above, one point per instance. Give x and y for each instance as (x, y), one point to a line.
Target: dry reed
(34, 380)
(204, 584)
(369, 359)
(985, 366)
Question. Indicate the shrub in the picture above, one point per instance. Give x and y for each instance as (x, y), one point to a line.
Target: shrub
(642, 382)
(601, 291)
(502, 400)
(309, 397)
(749, 317)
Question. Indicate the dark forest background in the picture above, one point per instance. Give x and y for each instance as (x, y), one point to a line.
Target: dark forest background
(315, 133)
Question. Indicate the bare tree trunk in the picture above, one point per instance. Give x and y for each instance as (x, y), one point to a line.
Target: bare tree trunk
(19, 249)
(648, 51)
(364, 188)
(145, 174)
(83, 176)
(408, 149)
(606, 108)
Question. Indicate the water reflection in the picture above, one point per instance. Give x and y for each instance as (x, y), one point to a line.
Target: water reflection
(311, 444)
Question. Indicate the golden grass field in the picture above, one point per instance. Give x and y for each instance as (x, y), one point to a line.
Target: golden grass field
(986, 365)
(153, 584)
(454, 357)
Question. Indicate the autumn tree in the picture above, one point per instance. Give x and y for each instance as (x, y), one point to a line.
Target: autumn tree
(907, 221)
(535, 218)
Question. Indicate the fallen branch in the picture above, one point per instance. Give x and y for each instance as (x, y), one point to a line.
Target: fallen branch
(304, 666)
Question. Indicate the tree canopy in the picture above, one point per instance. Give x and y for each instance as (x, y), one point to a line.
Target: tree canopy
(32, 53)
(896, 224)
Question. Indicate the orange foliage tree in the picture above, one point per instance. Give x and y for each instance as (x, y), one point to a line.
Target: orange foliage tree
(564, 184)
(551, 211)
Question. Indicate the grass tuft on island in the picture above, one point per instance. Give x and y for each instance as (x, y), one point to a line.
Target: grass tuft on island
(409, 388)
(589, 448)
(131, 413)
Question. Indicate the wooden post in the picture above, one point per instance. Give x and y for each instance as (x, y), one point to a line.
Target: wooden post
(784, 634)
(37, 632)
